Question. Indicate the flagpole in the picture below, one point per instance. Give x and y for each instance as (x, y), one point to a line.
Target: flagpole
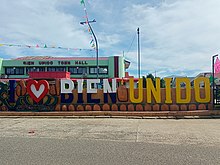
(94, 36)
(139, 57)
(213, 80)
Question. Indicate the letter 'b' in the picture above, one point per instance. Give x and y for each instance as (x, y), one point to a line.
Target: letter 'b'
(67, 86)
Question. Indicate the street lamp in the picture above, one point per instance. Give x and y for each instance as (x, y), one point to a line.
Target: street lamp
(213, 79)
(96, 44)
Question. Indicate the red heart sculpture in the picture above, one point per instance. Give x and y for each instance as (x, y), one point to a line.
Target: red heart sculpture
(37, 90)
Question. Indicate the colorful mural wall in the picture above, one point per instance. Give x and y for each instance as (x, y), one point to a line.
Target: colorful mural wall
(82, 95)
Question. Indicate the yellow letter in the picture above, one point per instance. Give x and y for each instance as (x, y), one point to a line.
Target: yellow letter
(168, 90)
(178, 90)
(197, 82)
(140, 91)
(153, 90)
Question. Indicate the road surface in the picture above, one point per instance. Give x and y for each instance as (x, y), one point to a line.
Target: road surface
(109, 141)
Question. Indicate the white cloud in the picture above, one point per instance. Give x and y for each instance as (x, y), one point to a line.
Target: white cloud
(108, 41)
(177, 37)
(182, 35)
(28, 21)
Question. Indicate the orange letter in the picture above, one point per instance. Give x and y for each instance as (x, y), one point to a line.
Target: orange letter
(197, 82)
(178, 90)
(140, 91)
(168, 90)
(153, 90)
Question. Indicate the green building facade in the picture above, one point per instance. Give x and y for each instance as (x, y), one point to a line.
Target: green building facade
(79, 67)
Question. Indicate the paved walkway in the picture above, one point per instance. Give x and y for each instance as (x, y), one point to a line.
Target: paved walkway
(166, 131)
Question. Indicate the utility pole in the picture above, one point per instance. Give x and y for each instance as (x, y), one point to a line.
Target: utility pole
(139, 58)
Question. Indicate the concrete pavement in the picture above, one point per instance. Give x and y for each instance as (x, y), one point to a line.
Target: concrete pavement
(167, 131)
(109, 141)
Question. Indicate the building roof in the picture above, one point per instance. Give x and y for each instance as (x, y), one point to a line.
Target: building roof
(58, 58)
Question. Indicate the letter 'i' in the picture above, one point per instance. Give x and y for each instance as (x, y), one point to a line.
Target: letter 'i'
(12, 84)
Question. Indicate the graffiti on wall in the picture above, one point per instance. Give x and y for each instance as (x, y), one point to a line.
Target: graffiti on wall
(65, 94)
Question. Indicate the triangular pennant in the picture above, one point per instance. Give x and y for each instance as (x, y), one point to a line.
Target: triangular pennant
(91, 41)
(211, 78)
(93, 45)
(82, 2)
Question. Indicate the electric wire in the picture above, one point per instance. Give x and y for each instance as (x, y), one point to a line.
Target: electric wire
(131, 44)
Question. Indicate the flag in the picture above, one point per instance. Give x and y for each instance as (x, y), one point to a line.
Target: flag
(93, 45)
(217, 66)
(82, 2)
(211, 79)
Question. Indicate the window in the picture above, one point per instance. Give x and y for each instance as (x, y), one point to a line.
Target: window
(54, 69)
(35, 69)
(61, 69)
(92, 70)
(73, 70)
(81, 70)
(14, 70)
(102, 70)
(51, 69)
(78, 70)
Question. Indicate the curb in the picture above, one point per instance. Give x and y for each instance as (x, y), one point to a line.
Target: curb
(120, 114)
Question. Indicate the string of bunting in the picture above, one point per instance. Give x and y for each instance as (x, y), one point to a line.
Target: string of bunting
(92, 44)
(44, 46)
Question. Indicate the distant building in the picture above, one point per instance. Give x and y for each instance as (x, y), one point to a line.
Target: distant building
(203, 74)
(173, 82)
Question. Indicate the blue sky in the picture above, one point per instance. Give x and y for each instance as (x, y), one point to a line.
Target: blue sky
(178, 37)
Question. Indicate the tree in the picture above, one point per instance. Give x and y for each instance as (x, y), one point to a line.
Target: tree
(144, 82)
(152, 78)
(162, 83)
